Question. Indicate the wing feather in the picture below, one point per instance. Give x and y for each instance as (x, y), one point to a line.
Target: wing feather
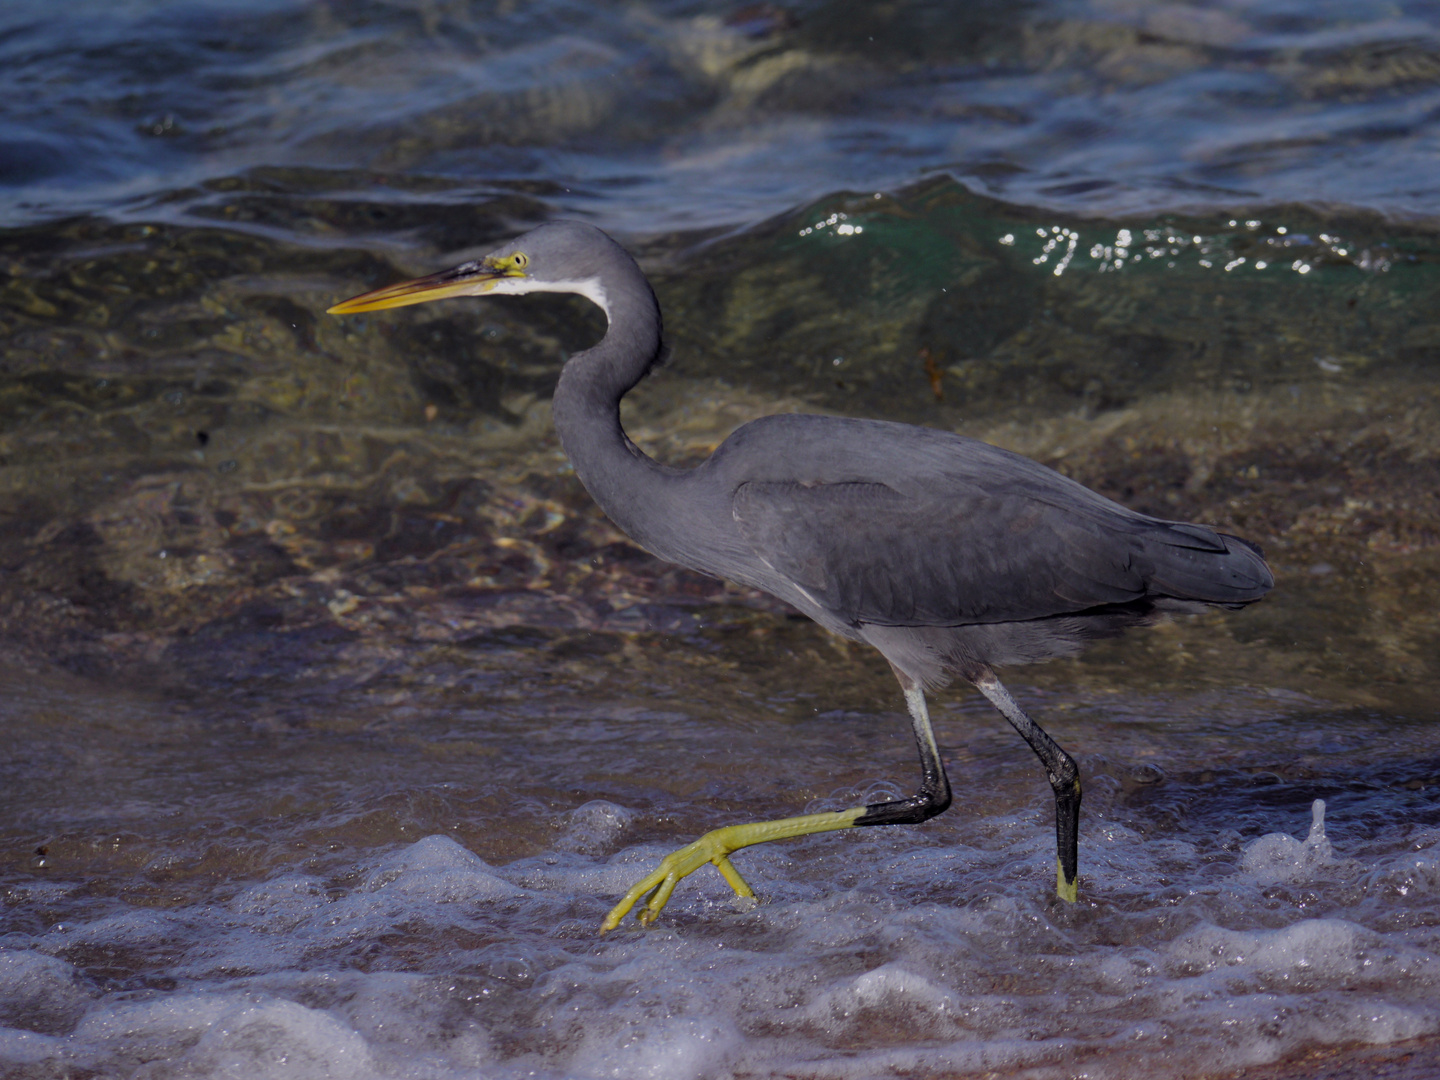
(953, 553)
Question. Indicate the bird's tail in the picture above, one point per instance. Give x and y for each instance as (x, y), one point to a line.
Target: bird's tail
(1193, 563)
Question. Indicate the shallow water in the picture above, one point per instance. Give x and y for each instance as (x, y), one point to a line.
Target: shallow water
(409, 885)
(335, 717)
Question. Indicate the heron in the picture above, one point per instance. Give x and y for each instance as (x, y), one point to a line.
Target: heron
(950, 556)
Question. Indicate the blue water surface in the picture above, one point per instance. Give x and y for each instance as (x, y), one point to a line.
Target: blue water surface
(669, 114)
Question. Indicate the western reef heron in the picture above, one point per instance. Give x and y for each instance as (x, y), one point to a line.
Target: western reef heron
(949, 555)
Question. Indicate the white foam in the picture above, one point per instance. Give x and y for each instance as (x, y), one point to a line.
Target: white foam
(1278, 857)
(39, 992)
(572, 873)
(159, 1020)
(902, 1001)
(18, 1047)
(399, 1013)
(988, 1056)
(593, 827)
(222, 1035)
(673, 1048)
(1309, 952)
(1125, 972)
(438, 869)
(1414, 877)
(135, 928)
(924, 951)
(286, 901)
(275, 1039)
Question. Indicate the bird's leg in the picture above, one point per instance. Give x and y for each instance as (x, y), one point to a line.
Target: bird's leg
(1064, 777)
(934, 794)
(716, 847)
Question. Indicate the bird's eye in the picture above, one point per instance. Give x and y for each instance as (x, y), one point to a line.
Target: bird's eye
(520, 259)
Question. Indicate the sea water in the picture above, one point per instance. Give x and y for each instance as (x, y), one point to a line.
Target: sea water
(420, 894)
(334, 718)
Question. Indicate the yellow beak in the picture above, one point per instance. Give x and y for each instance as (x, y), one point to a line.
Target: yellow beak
(469, 279)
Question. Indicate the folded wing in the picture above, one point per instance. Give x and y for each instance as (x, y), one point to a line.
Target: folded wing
(959, 551)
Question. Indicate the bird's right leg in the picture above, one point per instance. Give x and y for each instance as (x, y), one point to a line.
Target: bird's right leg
(716, 847)
(934, 794)
(1064, 777)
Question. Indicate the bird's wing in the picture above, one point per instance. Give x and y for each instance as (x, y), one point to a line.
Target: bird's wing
(957, 553)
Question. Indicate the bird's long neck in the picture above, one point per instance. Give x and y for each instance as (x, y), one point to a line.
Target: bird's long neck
(629, 486)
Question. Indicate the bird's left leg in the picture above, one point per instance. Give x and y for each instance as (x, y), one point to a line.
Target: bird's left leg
(716, 847)
(1064, 777)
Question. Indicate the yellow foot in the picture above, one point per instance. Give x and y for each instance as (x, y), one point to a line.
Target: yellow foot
(714, 847)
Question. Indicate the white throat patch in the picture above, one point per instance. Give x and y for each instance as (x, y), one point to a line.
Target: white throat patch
(589, 288)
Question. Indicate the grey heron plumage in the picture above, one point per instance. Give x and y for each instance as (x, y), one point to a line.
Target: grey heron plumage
(950, 556)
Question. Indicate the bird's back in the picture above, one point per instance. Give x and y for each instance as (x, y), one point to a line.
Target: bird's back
(880, 525)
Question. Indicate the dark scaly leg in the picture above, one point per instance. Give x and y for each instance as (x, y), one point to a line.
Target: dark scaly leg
(934, 794)
(1064, 777)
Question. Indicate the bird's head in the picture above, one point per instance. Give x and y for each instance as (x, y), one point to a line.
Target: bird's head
(561, 256)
